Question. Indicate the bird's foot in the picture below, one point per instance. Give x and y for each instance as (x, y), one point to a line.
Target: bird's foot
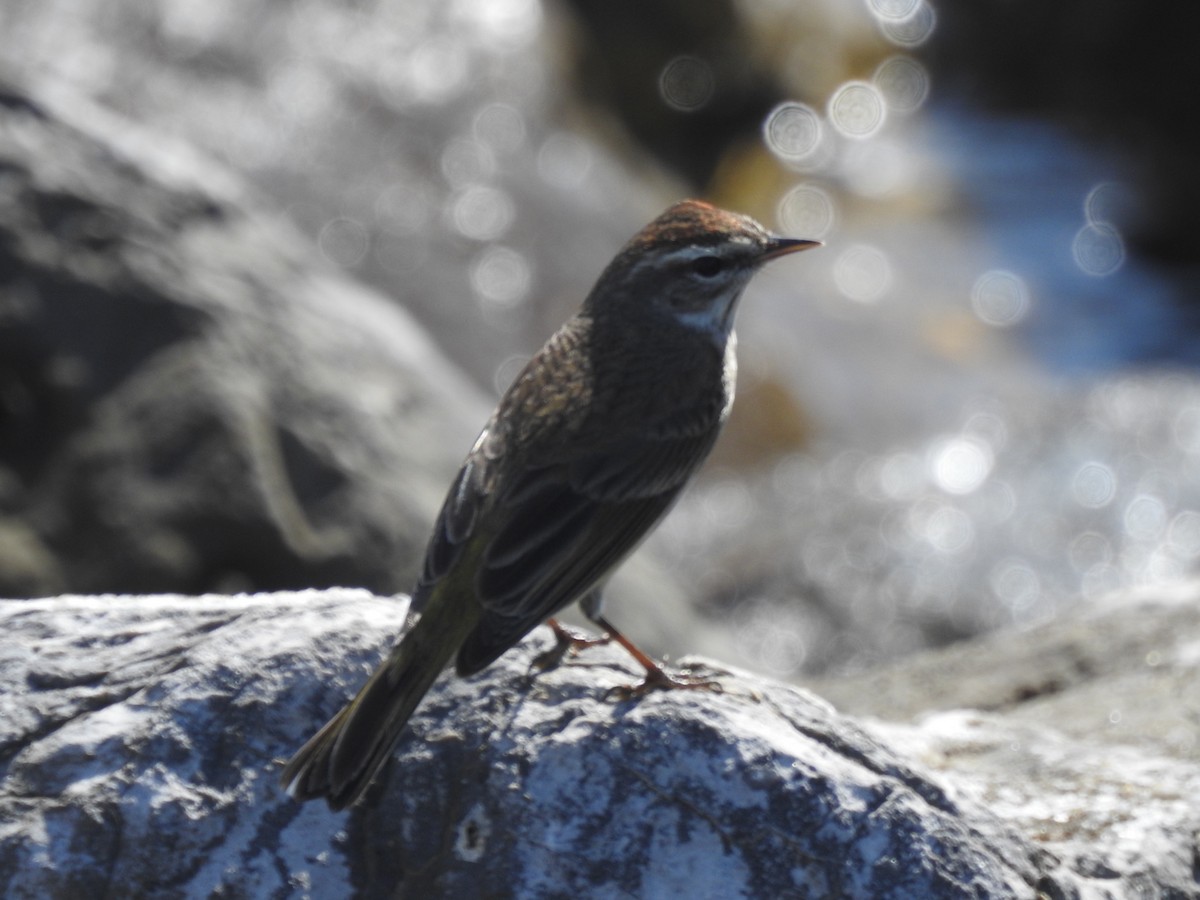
(565, 641)
(659, 679)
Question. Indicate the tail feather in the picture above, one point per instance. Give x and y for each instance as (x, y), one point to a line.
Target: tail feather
(340, 760)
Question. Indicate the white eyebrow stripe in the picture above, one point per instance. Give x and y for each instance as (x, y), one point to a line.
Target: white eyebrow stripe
(694, 252)
(697, 251)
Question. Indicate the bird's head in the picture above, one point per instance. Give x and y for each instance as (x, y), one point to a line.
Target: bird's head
(689, 265)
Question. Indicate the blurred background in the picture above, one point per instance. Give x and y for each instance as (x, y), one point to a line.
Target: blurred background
(975, 406)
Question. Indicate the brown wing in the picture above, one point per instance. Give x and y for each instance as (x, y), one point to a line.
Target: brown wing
(535, 414)
(563, 529)
(465, 502)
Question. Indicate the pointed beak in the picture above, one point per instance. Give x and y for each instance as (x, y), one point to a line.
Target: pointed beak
(781, 246)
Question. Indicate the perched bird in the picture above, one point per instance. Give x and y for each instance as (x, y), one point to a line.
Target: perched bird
(585, 453)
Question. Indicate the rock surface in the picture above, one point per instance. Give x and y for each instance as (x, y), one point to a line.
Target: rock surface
(1087, 675)
(1083, 732)
(142, 755)
(142, 737)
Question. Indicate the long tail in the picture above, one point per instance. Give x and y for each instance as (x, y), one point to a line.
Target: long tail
(341, 759)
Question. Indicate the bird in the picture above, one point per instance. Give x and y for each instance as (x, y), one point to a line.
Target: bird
(584, 454)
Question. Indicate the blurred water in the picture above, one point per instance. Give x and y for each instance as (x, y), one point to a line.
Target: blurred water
(1020, 511)
(1054, 211)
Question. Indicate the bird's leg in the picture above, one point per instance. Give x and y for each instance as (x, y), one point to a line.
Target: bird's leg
(565, 641)
(657, 678)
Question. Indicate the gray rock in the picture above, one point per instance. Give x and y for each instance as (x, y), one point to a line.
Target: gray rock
(142, 739)
(1111, 821)
(188, 398)
(1088, 674)
(1088, 740)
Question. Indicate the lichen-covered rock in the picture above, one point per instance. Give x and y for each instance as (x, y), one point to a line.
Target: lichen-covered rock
(1083, 732)
(142, 738)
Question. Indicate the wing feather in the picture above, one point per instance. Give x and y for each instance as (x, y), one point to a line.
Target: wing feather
(565, 538)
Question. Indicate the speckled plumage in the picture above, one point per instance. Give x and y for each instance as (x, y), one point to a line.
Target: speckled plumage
(585, 453)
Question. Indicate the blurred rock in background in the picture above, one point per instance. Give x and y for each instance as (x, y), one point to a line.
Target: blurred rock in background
(189, 400)
(954, 421)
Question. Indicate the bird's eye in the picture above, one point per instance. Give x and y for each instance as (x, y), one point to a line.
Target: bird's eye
(707, 266)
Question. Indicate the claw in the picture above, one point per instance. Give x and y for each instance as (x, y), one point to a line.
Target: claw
(658, 679)
(565, 641)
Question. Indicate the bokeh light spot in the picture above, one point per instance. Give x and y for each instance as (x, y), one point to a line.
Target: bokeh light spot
(793, 131)
(1016, 584)
(1000, 298)
(960, 465)
(903, 82)
(913, 30)
(1088, 550)
(344, 242)
(1187, 429)
(862, 273)
(687, 83)
(1094, 485)
(501, 127)
(1107, 203)
(726, 505)
(501, 277)
(434, 71)
(1183, 536)
(857, 110)
(506, 373)
(509, 20)
(806, 210)
(946, 528)
(1145, 518)
(1098, 249)
(564, 160)
(775, 639)
(483, 213)
(896, 10)
(465, 162)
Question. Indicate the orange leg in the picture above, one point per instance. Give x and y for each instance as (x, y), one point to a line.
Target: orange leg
(657, 678)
